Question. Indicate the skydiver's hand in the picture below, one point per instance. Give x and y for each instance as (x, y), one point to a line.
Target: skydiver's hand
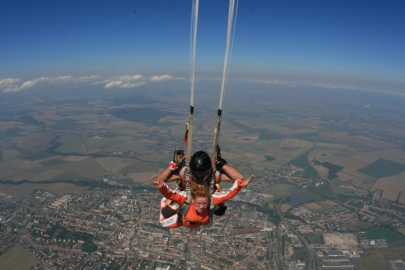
(220, 162)
(247, 181)
(178, 158)
(156, 182)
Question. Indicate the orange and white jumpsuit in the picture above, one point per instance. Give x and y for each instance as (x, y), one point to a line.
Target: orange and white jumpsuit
(193, 219)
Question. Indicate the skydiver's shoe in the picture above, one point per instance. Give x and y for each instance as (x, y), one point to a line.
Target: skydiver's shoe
(168, 208)
(179, 158)
(221, 210)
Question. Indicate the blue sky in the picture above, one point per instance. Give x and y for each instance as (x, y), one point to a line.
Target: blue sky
(338, 44)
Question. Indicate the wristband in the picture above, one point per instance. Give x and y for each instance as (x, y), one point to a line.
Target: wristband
(173, 166)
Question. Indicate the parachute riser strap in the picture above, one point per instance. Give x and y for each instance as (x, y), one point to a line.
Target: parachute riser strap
(187, 175)
(186, 205)
(212, 207)
(216, 135)
(212, 183)
(189, 132)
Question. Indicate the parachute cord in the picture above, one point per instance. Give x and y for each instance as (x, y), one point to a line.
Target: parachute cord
(233, 39)
(193, 47)
(194, 21)
(230, 33)
(226, 60)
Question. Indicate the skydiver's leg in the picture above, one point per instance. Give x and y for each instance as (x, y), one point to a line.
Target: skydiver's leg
(168, 208)
(230, 174)
(221, 210)
(172, 221)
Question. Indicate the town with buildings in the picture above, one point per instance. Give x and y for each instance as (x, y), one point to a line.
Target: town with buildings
(117, 227)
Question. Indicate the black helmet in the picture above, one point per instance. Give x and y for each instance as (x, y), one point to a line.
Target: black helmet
(200, 166)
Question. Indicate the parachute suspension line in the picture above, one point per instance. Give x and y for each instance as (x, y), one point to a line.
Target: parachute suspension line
(193, 47)
(233, 38)
(231, 25)
(193, 44)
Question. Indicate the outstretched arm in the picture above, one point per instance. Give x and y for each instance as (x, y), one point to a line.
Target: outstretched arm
(221, 197)
(178, 197)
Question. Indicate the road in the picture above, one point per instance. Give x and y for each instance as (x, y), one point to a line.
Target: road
(308, 265)
(279, 252)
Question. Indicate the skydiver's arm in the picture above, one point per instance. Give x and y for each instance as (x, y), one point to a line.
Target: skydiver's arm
(168, 193)
(171, 173)
(221, 197)
(230, 174)
(168, 175)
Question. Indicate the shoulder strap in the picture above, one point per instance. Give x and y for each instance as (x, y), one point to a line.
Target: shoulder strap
(212, 207)
(186, 205)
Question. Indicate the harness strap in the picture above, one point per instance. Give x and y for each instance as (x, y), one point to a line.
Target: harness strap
(183, 209)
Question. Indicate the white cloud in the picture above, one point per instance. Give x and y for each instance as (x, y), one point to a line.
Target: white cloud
(132, 81)
(125, 81)
(161, 78)
(5, 83)
(50, 80)
(12, 88)
(132, 78)
(122, 84)
(31, 83)
(9, 84)
(88, 78)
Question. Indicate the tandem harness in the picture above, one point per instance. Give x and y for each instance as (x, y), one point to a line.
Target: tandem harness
(183, 209)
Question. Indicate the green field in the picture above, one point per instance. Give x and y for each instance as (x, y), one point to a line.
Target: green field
(130, 145)
(335, 187)
(371, 263)
(17, 258)
(265, 136)
(67, 124)
(382, 168)
(376, 259)
(302, 162)
(11, 132)
(311, 195)
(357, 226)
(314, 238)
(243, 127)
(143, 166)
(357, 205)
(322, 140)
(363, 147)
(278, 191)
(101, 237)
(325, 191)
(70, 145)
(393, 238)
(53, 162)
(69, 176)
(37, 156)
(312, 137)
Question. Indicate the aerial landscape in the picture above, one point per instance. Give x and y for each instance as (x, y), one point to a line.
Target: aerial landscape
(88, 116)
